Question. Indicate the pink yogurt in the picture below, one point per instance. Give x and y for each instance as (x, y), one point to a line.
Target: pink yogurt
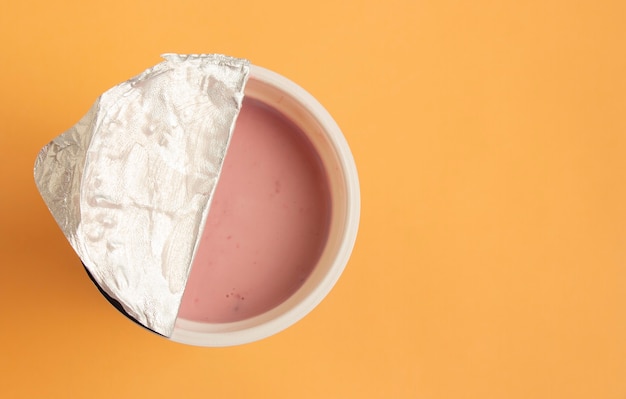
(267, 225)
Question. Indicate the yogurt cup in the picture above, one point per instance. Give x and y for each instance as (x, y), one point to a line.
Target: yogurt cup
(294, 104)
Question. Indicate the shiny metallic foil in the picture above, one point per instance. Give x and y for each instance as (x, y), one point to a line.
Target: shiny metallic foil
(131, 183)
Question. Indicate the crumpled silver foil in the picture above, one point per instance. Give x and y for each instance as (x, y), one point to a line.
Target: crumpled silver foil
(131, 183)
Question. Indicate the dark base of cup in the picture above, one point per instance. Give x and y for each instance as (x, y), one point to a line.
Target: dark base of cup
(115, 303)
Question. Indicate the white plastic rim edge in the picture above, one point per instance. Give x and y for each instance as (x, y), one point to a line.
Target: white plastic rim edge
(276, 320)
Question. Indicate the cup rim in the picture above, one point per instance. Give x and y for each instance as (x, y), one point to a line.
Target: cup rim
(279, 318)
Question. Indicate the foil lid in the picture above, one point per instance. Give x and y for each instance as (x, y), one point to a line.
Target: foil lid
(131, 183)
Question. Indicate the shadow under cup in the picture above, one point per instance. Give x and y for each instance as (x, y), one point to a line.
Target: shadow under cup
(340, 213)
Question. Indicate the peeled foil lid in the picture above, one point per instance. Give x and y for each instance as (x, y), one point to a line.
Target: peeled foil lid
(131, 183)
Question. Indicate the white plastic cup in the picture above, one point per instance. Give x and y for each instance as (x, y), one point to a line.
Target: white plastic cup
(297, 105)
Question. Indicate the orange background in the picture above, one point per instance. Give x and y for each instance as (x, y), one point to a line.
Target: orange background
(490, 138)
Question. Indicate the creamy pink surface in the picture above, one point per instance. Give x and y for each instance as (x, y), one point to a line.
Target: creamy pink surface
(267, 224)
